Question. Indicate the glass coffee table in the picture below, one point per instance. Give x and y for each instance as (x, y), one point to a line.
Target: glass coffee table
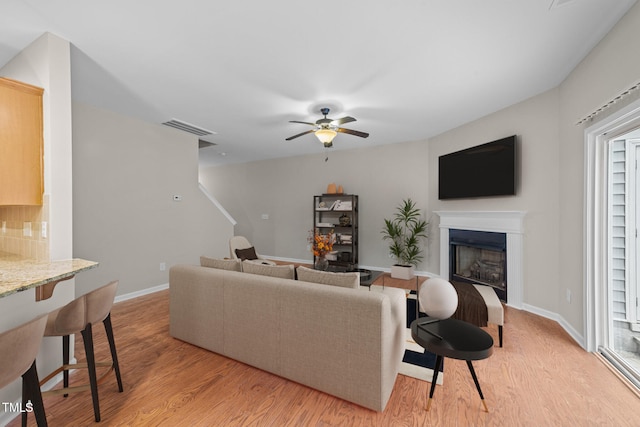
(367, 277)
(455, 339)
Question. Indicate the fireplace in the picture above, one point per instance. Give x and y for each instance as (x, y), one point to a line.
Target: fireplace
(479, 257)
(510, 226)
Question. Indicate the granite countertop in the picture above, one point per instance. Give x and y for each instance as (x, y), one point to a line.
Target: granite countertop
(18, 273)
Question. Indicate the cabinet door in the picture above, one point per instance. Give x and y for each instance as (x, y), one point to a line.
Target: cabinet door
(21, 144)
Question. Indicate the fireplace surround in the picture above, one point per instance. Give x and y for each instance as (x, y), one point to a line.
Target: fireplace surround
(509, 224)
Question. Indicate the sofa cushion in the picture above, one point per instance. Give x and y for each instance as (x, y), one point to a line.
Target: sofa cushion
(223, 264)
(281, 271)
(248, 253)
(344, 280)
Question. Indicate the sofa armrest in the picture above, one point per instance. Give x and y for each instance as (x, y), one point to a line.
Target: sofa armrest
(196, 306)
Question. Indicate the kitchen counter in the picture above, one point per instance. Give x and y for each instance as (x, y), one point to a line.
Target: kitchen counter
(18, 274)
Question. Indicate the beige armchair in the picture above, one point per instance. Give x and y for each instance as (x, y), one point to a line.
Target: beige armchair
(240, 248)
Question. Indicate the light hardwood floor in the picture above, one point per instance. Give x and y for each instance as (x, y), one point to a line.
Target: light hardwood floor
(541, 377)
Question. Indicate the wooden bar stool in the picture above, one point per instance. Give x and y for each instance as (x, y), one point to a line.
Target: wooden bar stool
(78, 316)
(18, 350)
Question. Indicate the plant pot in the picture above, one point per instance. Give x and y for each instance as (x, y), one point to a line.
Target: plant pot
(404, 272)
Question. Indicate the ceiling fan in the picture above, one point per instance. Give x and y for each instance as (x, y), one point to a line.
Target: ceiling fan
(326, 129)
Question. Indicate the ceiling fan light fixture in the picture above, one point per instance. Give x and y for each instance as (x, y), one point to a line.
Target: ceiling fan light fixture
(326, 129)
(326, 136)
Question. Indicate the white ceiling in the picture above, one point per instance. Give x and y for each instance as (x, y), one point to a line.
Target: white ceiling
(407, 70)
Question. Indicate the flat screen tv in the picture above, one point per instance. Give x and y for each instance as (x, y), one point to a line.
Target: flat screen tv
(485, 170)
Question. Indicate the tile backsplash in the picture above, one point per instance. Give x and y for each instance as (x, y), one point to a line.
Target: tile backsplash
(12, 230)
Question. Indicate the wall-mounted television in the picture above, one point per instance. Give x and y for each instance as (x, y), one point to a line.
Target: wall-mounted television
(485, 170)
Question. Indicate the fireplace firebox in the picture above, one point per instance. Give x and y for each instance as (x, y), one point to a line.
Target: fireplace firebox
(479, 257)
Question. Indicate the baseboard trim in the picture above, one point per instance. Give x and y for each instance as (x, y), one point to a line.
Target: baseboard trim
(575, 335)
(142, 292)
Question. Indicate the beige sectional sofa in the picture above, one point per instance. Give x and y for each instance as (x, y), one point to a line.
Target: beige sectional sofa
(345, 342)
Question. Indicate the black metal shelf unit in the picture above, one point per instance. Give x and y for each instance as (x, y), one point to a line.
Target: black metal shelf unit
(338, 212)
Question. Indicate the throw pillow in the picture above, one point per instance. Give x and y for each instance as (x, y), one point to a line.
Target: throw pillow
(248, 253)
(223, 264)
(281, 271)
(344, 280)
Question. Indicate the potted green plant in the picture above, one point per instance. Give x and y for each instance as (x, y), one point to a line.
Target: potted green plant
(405, 233)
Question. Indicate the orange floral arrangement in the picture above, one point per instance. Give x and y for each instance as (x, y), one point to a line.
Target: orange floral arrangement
(321, 244)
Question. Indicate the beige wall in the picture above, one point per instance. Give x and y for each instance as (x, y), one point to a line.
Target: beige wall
(125, 173)
(612, 67)
(284, 189)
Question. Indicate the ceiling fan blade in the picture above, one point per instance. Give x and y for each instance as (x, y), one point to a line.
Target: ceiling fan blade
(304, 123)
(343, 120)
(353, 132)
(300, 134)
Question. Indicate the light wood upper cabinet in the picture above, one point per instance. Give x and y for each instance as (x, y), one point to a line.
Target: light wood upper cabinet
(21, 144)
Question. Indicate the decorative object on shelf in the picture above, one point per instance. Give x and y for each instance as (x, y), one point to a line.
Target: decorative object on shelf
(331, 188)
(345, 239)
(343, 205)
(340, 189)
(345, 220)
(405, 231)
(321, 245)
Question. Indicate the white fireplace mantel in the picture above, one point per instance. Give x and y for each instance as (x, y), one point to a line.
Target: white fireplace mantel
(509, 222)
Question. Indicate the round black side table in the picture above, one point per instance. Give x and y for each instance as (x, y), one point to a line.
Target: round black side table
(455, 339)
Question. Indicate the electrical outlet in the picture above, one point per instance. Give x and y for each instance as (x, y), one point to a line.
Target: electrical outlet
(163, 266)
(569, 296)
(26, 229)
(43, 230)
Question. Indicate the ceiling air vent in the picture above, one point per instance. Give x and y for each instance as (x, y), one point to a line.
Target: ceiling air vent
(186, 127)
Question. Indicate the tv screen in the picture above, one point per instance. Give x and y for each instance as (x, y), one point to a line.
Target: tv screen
(483, 171)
